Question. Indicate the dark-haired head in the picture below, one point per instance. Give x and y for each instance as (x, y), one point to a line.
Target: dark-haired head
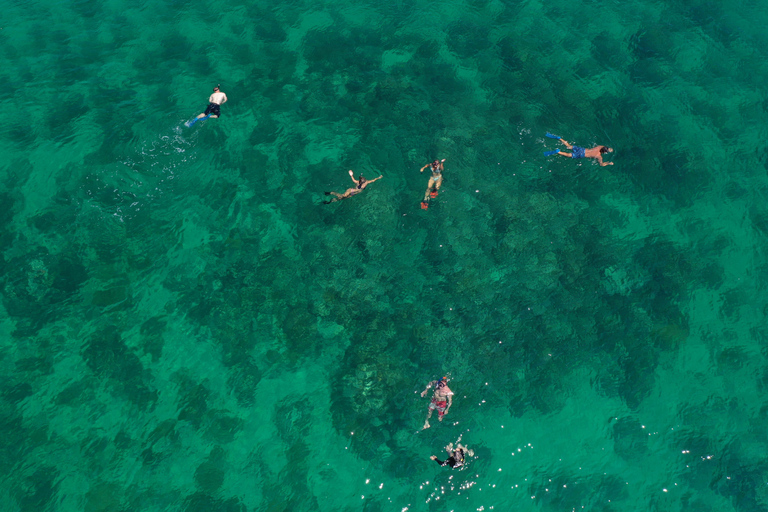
(216, 89)
(360, 181)
(605, 149)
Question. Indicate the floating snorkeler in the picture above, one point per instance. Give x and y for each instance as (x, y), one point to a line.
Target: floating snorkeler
(441, 399)
(596, 152)
(456, 459)
(434, 181)
(215, 101)
(360, 184)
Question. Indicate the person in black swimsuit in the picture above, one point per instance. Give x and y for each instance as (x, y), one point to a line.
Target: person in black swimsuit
(456, 459)
(360, 184)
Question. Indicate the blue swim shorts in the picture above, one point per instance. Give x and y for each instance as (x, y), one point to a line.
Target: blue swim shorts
(577, 152)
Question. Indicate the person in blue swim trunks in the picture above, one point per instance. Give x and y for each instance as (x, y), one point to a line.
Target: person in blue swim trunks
(596, 152)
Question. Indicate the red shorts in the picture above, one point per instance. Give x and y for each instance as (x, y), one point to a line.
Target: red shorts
(440, 406)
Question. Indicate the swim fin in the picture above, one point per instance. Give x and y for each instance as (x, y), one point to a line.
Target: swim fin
(433, 194)
(424, 205)
(190, 123)
(553, 136)
(550, 153)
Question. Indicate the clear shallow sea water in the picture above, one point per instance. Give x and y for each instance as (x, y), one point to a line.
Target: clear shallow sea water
(184, 326)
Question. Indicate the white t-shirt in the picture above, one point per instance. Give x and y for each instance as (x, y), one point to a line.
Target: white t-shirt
(218, 98)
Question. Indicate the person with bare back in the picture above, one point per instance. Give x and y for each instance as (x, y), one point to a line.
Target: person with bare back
(442, 399)
(596, 152)
(360, 184)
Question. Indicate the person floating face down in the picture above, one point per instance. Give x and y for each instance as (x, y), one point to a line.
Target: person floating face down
(457, 456)
(360, 184)
(215, 101)
(435, 181)
(596, 152)
(442, 399)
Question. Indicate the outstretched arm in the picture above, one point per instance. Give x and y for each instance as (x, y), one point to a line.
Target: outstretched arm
(374, 179)
(603, 164)
(429, 386)
(352, 175)
(422, 169)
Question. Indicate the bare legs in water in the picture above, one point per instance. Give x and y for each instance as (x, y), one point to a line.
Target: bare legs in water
(360, 184)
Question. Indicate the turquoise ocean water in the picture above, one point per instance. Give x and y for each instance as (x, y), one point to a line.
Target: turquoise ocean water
(185, 326)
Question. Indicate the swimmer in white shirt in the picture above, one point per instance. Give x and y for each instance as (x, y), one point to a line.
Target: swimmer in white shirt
(215, 101)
